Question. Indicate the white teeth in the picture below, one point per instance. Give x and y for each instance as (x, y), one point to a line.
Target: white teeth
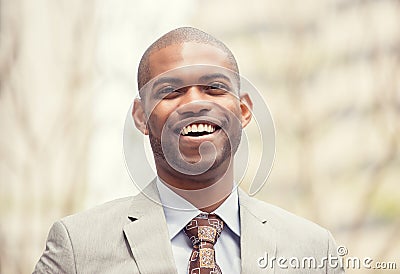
(198, 128)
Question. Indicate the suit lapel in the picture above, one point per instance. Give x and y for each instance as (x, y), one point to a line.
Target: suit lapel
(149, 242)
(257, 237)
(147, 234)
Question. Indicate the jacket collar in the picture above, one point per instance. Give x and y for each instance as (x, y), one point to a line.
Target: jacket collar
(258, 236)
(148, 238)
(147, 234)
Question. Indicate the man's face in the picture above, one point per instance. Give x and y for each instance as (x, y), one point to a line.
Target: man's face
(192, 100)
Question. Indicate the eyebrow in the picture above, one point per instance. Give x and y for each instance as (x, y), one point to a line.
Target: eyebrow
(170, 80)
(204, 78)
(214, 76)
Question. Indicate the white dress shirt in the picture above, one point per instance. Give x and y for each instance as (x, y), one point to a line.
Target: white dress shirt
(178, 212)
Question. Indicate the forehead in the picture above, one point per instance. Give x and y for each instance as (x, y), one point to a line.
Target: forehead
(186, 54)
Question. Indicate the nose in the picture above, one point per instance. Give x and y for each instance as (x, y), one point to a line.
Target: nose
(194, 101)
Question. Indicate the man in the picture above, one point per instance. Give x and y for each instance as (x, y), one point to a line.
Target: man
(191, 218)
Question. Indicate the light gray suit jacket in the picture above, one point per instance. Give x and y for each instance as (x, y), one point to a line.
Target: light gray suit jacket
(130, 235)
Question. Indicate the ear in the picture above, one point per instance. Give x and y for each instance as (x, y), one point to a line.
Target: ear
(139, 116)
(246, 107)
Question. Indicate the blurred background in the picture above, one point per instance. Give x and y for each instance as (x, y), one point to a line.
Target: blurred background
(329, 71)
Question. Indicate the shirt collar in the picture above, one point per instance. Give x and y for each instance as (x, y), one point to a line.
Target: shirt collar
(178, 211)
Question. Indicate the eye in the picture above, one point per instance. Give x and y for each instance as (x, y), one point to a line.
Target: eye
(217, 88)
(168, 92)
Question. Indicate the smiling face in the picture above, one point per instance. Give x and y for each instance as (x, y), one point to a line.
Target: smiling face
(191, 110)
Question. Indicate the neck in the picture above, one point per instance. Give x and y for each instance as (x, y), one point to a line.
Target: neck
(206, 191)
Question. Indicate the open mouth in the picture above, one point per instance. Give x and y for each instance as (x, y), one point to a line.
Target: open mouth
(199, 129)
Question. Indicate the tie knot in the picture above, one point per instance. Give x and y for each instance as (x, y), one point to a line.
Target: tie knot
(204, 228)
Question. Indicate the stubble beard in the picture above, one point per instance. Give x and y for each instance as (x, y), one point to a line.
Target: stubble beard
(173, 152)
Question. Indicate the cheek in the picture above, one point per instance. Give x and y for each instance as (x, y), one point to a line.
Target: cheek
(235, 110)
(158, 117)
(233, 106)
(155, 124)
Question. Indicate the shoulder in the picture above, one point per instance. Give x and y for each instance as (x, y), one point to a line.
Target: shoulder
(113, 215)
(292, 235)
(90, 231)
(112, 212)
(282, 220)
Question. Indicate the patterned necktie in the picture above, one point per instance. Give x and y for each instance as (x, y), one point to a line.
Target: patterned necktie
(204, 231)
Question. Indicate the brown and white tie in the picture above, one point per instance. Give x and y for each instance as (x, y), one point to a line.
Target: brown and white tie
(203, 231)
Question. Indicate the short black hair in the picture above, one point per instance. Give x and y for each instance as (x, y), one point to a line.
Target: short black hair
(180, 36)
